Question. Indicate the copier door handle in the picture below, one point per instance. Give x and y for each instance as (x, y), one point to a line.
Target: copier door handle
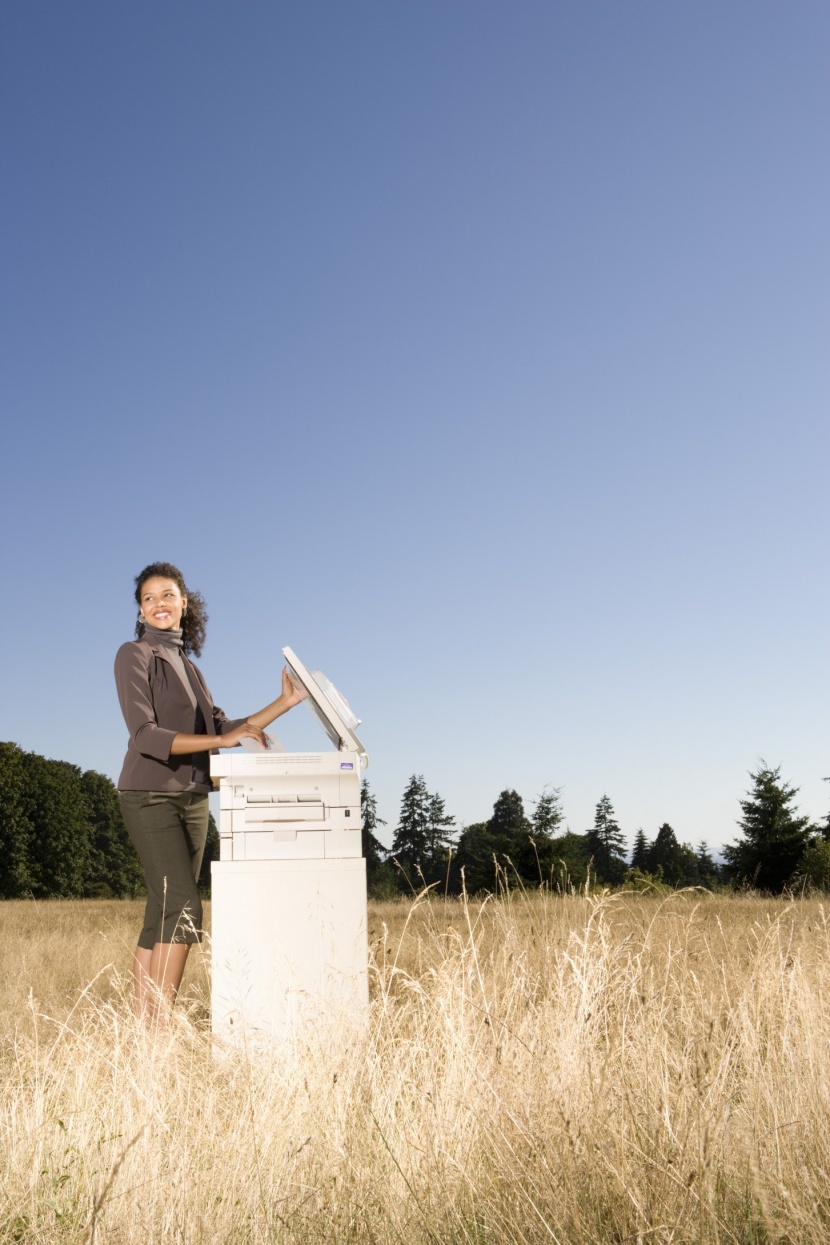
(285, 812)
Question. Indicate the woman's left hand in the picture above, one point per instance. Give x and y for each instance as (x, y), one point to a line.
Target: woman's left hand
(291, 694)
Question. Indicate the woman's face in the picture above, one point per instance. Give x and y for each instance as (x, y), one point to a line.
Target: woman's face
(162, 603)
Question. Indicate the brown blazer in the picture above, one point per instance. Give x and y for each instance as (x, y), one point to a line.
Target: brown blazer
(156, 708)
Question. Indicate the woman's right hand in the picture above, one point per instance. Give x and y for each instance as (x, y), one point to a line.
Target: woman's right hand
(232, 739)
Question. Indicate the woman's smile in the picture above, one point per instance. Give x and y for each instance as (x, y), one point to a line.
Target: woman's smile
(162, 603)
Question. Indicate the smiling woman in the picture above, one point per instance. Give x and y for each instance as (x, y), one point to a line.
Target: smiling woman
(165, 780)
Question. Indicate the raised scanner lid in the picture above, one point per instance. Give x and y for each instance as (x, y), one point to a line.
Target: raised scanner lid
(329, 705)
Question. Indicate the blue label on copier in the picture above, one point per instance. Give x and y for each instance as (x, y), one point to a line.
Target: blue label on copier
(346, 765)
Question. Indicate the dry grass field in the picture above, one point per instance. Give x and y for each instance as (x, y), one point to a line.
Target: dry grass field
(536, 1069)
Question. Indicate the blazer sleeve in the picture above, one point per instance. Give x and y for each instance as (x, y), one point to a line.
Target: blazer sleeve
(223, 724)
(133, 684)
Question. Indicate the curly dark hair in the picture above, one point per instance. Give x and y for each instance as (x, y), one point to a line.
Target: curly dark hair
(194, 619)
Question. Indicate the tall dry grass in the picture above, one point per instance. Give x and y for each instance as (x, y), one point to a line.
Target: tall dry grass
(535, 1069)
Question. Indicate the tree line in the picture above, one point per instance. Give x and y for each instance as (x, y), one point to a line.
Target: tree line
(62, 836)
(777, 848)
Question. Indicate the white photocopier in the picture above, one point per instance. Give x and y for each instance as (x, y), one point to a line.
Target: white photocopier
(288, 893)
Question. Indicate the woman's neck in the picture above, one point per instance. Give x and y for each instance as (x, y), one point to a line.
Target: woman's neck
(170, 637)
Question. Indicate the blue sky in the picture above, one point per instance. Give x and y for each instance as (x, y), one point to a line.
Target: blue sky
(478, 351)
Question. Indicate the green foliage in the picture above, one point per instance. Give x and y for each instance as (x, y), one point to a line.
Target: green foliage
(113, 870)
(639, 854)
(381, 879)
(62, 835)
(774, 837)
(824, 827)
(421, 844)
(645, 883)
(606, 845)
(675, 863)
(492, 851)
(508, 824)
(439, 839)
(16, 830)
(409, 842)
(54, 802)
(708, 872)
(61, 831)
(500, 849)
(547, 815)
(535, 858)
(814, 868)
(474, 866)
(666, 863)
(373, 851)
(569, 857)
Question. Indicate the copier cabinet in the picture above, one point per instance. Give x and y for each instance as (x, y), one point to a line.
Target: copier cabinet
(290, 947)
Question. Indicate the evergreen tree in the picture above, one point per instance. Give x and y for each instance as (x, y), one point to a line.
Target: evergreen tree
(569, 857)
(639, 854)
(672, 861)
(824, 827)
(492, 851)
(707, 871)
(421, 844)
(373, 849)
(410, 842)
(381, 878)
(113, 868)
(474, 867)
(508, 823)
(535, 859)
(16, 830)
(774, 837)
(509, 832)
(547, 815)
(439, 841)
(814, 866)
(605, 843)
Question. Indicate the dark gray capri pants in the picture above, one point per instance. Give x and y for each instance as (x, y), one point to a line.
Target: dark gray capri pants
(168, 830)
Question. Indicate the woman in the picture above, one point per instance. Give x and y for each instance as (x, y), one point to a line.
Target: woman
(173, 725)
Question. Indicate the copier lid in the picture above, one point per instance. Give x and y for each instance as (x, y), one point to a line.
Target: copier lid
(324, 703)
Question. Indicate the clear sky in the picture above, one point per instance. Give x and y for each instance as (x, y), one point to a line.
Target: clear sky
(477, 350)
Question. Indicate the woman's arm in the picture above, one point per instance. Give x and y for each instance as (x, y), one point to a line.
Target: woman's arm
(131, 678)
(287, 699)
(252, 728)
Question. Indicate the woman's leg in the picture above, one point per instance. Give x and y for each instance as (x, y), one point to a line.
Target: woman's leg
(133, 810)
(169, 958)
(168, 830)
(167, 969)
(143, 988)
